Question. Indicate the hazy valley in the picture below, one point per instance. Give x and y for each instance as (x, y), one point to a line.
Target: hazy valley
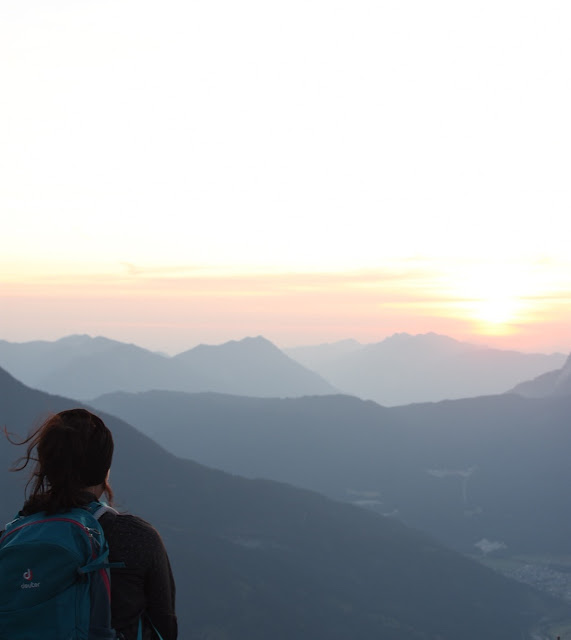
(314, 514)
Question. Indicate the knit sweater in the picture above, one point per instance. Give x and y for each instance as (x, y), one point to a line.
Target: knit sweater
(145, 586)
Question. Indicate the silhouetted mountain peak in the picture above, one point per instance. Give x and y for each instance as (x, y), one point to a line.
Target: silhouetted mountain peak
(95, 343)
(405, 368)
(417, 349)
(75, 339)
(79, 341)
(252, 366)
(250, 345)
(82, 367)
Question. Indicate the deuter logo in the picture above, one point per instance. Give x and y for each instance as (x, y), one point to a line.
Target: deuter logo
(29, 585)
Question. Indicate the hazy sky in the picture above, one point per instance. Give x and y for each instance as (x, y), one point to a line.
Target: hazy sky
(188, 171)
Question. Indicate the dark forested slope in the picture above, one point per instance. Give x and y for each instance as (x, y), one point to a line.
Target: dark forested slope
(493, 468)
(257, 560)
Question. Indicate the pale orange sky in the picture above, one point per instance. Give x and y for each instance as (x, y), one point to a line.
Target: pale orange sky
(306, 171)
(174, 311)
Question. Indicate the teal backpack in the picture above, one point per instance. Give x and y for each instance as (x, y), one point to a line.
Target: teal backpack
(54, 577)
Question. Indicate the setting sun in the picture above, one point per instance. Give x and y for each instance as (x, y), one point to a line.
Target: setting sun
(496, 314)
(495, 296)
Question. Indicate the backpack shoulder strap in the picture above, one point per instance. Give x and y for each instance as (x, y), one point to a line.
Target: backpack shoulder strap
(97, 509)
(110, 514)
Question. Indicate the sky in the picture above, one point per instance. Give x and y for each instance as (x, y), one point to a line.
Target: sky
(180, 172)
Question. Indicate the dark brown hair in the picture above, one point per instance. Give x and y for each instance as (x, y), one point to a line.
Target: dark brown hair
(73, 451)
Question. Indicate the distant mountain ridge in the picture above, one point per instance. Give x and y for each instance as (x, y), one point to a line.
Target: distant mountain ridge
(491, 468)
(552, 383)
(405, 369)
(400, 370)
(255, 560)
(84, 367)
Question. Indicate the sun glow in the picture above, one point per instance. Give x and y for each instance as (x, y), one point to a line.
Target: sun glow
(496, 311)
(495, 296)
(496, 314)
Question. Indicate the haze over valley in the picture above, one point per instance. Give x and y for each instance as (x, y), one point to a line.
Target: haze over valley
(259, 559)
(480, 475)
(491, 468)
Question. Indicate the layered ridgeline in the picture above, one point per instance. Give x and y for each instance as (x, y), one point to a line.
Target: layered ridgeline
(421, 368)
(83, 367)
(480, 474)
(255, 559)
(550, 384)
(399, 370)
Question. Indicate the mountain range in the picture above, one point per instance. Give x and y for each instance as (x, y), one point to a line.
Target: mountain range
(83, 367)
(402, 369)
(466, 471)
(405, 368)
(255, 559)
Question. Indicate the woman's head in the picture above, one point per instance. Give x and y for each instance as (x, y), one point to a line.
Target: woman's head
(72, 451)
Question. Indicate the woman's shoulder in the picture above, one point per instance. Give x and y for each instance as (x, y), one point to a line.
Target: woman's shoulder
(126, 521)
(129, 520)
(116, 524)
(133, 539)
